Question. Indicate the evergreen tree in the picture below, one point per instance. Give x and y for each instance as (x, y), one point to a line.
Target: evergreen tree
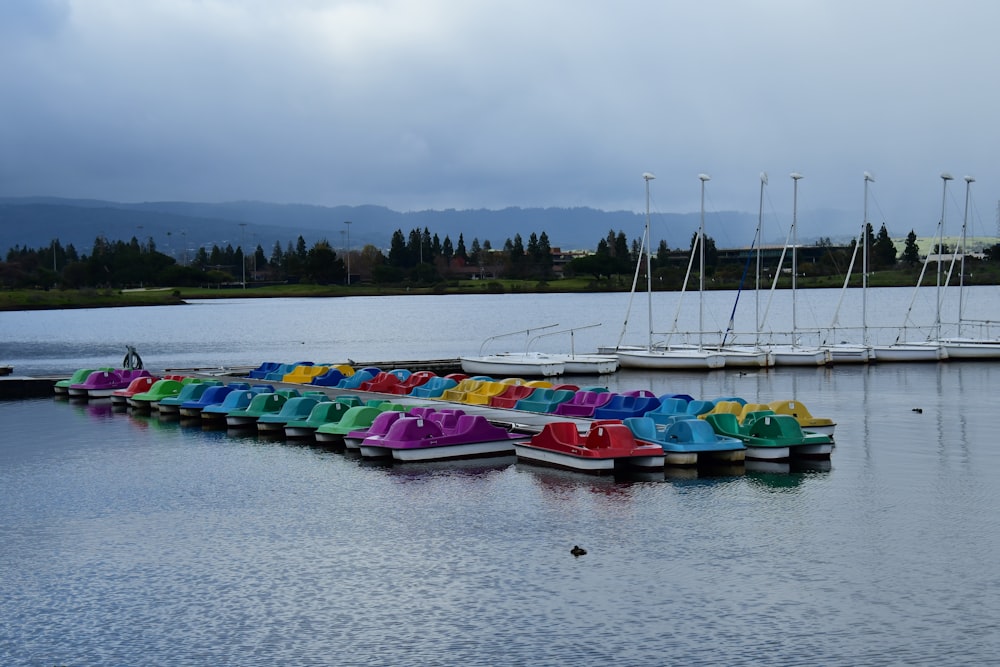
(544, 248)
(532, 248)
(911, 253)
(884, 251)
(662, 254)
(322, 265)
(621, 250)
(426, 245)
(476, 251)
(460, 249)
(414, 248)
(447, 251)
(398, 252)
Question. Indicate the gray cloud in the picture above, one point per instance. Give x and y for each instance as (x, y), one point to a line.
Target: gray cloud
(448, 104)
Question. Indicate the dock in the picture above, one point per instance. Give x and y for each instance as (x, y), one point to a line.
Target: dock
(517, 421)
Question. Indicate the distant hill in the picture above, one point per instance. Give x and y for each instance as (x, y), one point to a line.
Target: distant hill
(176, 226)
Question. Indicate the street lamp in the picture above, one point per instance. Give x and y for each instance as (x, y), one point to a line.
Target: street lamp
(243, 259)
(348, 223)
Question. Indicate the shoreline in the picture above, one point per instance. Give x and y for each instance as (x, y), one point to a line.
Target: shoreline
(40, 299)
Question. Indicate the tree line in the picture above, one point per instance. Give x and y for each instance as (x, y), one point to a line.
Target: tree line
(418, 257)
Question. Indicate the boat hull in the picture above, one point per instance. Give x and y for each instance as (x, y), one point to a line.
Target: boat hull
(731, 456)
(240, 421)
(589, 464)
(815, 451)
(670, 359)
(589, 364)
(971, 349)
(299, 432)
(446, 452)
(758, 453)
(910, 353)
(503, 365)
(270, 427)
(752, 358)
(548, 457)
(799, 356)
(850, 354)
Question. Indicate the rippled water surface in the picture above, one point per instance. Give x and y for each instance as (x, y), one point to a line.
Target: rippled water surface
(130, 540)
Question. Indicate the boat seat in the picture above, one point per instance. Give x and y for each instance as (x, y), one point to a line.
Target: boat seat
(643, 428)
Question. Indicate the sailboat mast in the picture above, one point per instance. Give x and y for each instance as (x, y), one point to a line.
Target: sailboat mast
(649, 263)
(864, 266)
(701, 257)
(969, 180)
(757, 240)
(945, 177)
(795, 242)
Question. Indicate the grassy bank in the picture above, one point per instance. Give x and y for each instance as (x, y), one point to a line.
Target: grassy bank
(85, 298)
(984, 274)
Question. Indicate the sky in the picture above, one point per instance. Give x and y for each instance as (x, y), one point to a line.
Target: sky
(436, 104)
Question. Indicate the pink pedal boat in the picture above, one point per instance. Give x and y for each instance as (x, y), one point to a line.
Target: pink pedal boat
(101, 384)
(440, 436)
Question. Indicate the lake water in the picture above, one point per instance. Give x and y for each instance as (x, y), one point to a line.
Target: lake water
(128, 540)
(234, 332)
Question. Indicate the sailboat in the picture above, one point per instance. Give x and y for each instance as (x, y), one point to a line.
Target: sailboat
(960, 347)
(928, 350)
(580, 364)
(749, 356)
(667, 358)
(794, 354)
(853, 353)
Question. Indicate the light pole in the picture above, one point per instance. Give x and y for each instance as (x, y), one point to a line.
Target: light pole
(243, 259)
(348, 223)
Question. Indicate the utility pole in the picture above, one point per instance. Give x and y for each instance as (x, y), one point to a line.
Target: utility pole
(243, 252)
(348, 223)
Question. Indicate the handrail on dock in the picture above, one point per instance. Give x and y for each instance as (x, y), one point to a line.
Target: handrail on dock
(514, 333)
(562, 331)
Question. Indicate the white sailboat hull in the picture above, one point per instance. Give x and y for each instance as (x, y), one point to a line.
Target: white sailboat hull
(970, 348)
(671, 359)
(750, 357)
(513, 365)
(849, 354)
(910, 352)
(791, 355)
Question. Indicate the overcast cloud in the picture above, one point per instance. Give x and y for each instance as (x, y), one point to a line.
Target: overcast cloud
(417, 104)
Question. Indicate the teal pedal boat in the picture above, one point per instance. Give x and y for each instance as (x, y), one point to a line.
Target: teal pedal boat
(325, 412)
(260, 405)
(771, 437)
(687, 441)
(296, 408)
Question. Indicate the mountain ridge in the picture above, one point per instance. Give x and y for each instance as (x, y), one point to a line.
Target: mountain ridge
(178, 226)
